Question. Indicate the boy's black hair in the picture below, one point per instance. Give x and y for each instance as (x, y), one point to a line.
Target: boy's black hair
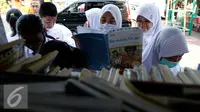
(11, 17)
(47, 9)
(29, 24)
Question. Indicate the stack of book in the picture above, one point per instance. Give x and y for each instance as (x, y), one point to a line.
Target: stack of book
(13, 59)
(162, 73)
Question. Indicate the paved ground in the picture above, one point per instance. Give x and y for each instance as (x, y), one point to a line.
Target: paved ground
(192, 59)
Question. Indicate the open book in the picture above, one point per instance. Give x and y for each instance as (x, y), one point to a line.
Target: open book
(118, 48)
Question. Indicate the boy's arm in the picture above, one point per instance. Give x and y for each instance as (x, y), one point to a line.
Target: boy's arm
(67, 36)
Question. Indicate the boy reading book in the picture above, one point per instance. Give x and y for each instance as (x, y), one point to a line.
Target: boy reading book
(30, 28)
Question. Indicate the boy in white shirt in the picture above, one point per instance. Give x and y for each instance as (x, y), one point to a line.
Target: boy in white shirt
(48, 14)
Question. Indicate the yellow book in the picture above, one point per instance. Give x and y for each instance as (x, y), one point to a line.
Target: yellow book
(54, 71)
(65, 72)
(43, 62)
(11, 53)
(19, 66)
(85, 73)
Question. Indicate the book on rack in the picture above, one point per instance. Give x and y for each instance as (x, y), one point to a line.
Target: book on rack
(192, 75)
(19, 66)
(54, 71)
(42, 64)
(118, 48)
(11, 53)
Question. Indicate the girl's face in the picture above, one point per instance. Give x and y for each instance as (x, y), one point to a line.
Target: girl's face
(107, 18)
(174, 58)
(144, 24)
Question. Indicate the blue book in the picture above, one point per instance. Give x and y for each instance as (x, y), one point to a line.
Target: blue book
(111, 49)
(95, 46)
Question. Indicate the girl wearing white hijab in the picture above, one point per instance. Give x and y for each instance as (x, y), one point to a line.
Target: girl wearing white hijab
(149, 20)
(167, 48)
(92, 16)
(110, 18)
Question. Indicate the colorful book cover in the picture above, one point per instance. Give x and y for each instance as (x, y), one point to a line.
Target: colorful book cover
(120, 48)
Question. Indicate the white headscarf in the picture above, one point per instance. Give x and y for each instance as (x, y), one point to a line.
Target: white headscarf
(168, 42)
(151, 12)
(93, 16)
(115, 11)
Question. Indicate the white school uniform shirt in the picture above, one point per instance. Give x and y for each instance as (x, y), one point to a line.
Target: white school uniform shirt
(10, 38)
(60, 32)
(168, 42)
(151, 12)
(28, 52)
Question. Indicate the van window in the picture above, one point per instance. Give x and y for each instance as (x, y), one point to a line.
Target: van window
(76, 8)
(121, 5)
(95, 5)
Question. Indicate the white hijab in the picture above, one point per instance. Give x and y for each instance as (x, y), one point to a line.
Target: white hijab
(93, 16)
(168, 42)
(115, 11)
(151, 12)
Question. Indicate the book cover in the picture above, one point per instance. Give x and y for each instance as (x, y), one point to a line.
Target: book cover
(183, 77)
(42, 64)
(191, 75)
(118, 48)
(11, 53)
(24, 63)
(156, 75)
(95, 46)
(125, 46)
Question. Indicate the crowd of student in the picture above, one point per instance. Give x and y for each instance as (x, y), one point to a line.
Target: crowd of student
(42, 35)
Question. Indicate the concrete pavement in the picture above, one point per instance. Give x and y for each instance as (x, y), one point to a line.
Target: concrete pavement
(192, 59)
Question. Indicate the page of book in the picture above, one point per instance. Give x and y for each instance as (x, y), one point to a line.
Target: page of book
(125, 46)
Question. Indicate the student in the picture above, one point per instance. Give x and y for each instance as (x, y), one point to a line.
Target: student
(149, 20)
(48, 14)
(92, 16)
(35, 6)
(12, 17)
(110, 18)
(167, 48)
(30, 28)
